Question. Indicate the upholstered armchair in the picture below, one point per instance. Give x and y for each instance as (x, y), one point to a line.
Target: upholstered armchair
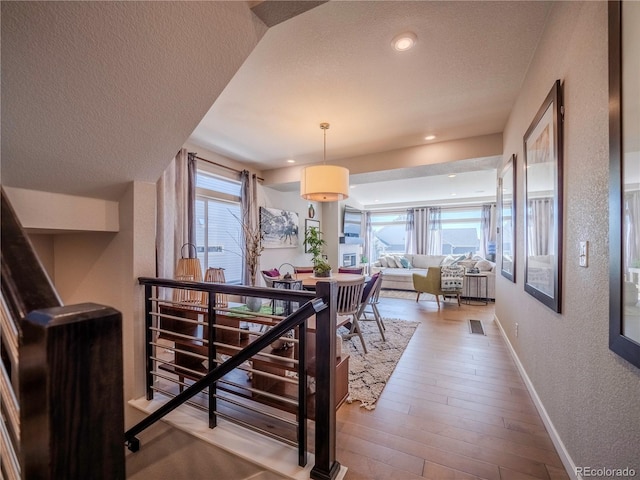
(431, 283)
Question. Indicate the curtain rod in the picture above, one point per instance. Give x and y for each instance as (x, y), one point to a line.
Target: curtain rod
(223, 166)
(443, 206)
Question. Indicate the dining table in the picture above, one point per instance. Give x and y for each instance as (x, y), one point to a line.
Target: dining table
(309, 280)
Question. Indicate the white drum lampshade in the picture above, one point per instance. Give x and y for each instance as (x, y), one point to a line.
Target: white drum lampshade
(324, 183)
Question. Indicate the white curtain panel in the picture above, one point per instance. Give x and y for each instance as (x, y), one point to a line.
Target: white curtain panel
(249, 200)
(367, 236)
(410, 228)
(434, 232)
(488, 228)
(175, 199)
(420, 235)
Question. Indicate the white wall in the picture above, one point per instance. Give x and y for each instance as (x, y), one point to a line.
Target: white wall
(275, 257)
(103, 267)
(46, 211)
(589, 393)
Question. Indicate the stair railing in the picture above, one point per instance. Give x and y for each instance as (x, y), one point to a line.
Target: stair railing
(61, 373)
(318, 304)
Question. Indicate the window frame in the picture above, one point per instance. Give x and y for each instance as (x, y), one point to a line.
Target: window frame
(211, 195)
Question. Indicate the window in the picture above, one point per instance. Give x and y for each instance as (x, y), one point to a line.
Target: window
(218, 231)
(388, 233)
(461, 230)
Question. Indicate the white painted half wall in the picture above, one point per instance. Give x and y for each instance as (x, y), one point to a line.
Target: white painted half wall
(56, 212)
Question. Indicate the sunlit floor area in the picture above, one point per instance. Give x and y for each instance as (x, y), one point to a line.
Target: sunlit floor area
(454, 408)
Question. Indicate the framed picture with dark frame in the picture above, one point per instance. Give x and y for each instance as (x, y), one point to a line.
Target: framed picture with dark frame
(308, 225)
(624, 181)
(506, 211)
(543, 202)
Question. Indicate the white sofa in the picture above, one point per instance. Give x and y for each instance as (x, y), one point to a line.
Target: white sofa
(398, 274)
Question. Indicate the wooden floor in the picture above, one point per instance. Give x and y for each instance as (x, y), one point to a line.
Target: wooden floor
(454, 408)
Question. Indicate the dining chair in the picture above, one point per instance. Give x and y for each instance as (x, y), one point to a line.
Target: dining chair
(303, 269)
(354, 270)
(370, 295)
(348, 303)
(269, 276)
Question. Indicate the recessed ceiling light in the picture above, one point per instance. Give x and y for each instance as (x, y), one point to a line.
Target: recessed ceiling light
(291, 160)
(404, 41)
(430, 137)
(352, 186)
(453, 194)
(376, 200)
(452, 175)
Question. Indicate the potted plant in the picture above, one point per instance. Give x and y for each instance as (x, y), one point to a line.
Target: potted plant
(314, 243)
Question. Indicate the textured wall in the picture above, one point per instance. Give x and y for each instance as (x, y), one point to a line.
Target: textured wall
(591, 395)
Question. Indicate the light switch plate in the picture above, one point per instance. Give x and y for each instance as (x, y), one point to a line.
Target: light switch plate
(584, 254)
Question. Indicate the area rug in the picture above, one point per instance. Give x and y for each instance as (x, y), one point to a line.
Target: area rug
(398, 294)
(368, 373)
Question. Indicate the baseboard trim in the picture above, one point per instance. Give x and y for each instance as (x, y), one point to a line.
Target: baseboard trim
(567, 461)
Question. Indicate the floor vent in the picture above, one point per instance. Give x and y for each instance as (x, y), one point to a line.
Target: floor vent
(475, 326)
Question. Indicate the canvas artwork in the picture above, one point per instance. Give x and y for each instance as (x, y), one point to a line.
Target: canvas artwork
(279, 228)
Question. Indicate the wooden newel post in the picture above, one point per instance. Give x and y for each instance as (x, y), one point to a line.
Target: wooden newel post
(326, 467)
(71, 390)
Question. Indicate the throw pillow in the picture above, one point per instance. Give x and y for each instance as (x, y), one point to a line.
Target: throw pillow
(398, 260)
(383, 261)
(271, 273)
(447, 260)
(459, 259)
(391, 261)
(485, 265)
(405, 263)
(451, 278)
(467, 263)
(369, 285)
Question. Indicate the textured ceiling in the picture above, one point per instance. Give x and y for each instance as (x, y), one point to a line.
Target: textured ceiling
(96, 94)
(335, 63)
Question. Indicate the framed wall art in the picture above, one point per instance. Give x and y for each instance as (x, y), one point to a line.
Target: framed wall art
(279, 228)
(543, 202)
(506, 210)
(624, 181)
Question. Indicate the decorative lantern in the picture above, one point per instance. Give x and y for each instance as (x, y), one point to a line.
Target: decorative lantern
(188, 269)
(216, 275)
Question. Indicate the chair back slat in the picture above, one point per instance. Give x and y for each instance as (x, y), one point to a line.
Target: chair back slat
(349, 296)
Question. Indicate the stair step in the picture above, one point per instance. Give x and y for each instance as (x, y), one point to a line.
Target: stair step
(275, 458)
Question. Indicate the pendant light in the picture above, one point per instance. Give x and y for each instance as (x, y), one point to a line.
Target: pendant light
(324, 183)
